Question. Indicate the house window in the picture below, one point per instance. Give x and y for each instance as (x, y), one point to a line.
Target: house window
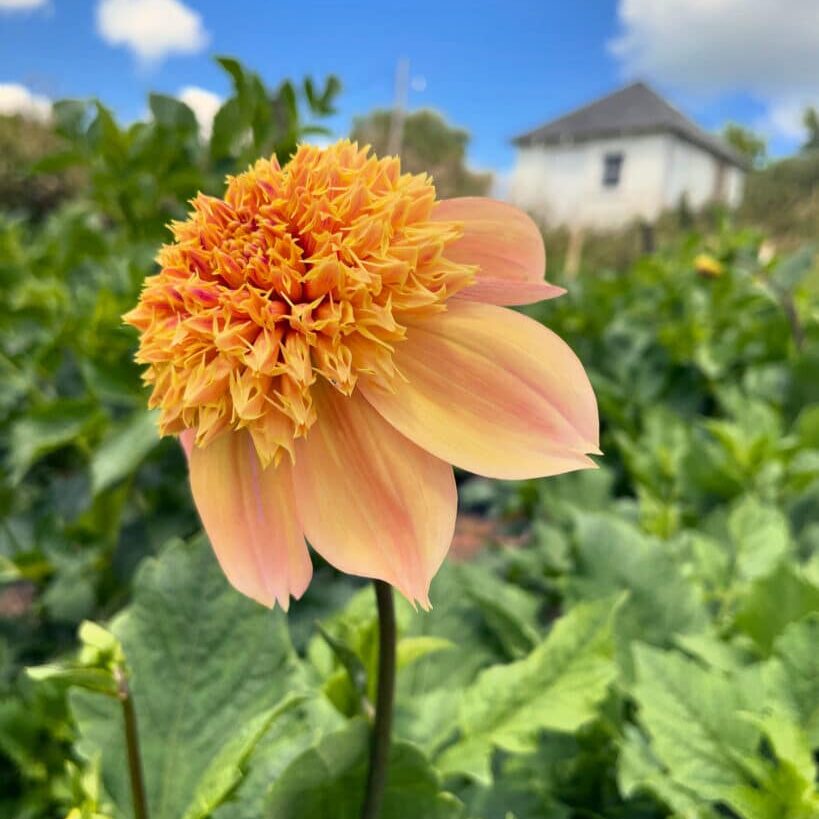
(612, 165)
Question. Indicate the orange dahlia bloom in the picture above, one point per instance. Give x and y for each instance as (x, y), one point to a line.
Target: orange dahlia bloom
(327, 340)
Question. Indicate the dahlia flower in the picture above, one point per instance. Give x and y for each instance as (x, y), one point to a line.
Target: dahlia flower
(328, 340)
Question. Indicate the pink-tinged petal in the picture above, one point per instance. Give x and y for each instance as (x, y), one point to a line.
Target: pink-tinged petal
(186, 439)
(493, 392)
(373, 503)
(249, 514)
(504, 292)
(506, 245)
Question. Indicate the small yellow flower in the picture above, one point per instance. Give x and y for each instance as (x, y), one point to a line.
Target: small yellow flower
(708, 267)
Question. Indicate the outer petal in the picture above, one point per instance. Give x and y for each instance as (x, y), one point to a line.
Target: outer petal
(373, 503)
(507, 246)
(249, 514)
(493, 392)
(186, 439)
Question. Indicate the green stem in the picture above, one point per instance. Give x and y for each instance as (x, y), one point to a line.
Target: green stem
(792, 314)
(385, 696)
(132, 745)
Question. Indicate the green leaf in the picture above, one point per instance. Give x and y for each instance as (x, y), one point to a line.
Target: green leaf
(792, 675)
(328, 780)
(789, 272)
(322, 103)
(227, 768)
(760, 536)
(122, 451)
(9, 571)
(355, 673)
(45, 430)
(788, 741)
(171, 112)
(773, 602)
(807, 427)
(558, 686)
(292, 733)
(692, 715)
(411, 649)
(70, 116)
(587, 490)
(639, 770)
(355, 648)
(429, 689)
(614, 556)
(715, 652)
(105, 136)
(785, 786)
(656, 457)
(229, 130)
(56, 162)
(509, 612)
(94, 679)
(454, 618)
(234, 68)
(203, 661)
(70, 596)
(99, 640)
(21, 734)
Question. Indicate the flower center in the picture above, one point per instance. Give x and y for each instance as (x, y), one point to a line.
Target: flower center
(307, 272)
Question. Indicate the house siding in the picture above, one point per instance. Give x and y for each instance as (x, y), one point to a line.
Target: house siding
(696, 174)
(735, 186)
(563, 184)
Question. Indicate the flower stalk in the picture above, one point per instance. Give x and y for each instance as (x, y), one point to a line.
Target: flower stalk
(138, 798)
(385, 697)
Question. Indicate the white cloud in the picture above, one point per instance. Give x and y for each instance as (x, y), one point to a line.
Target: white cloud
(767, 48)
(21, 5)
(17, 99)
(321, 140)
(204, 104)
(152, 29)
(784, 117)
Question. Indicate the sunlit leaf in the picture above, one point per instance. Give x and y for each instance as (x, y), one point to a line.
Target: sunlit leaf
(205, 663)
(558, 687)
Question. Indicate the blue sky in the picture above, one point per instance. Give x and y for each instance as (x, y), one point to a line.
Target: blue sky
(494, 68)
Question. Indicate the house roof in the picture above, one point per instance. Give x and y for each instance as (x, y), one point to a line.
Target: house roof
(635, 109)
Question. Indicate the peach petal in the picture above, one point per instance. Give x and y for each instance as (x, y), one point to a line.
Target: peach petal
(506, 245)
(373, 503)
(507, 293)
(493, 392)
(249, 514)
(186, 439)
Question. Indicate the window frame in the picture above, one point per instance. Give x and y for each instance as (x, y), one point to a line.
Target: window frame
(612, 169)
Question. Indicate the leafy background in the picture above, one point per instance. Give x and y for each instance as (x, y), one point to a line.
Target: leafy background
(637, 641)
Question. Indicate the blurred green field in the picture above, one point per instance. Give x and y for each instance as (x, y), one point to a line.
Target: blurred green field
(635, 642)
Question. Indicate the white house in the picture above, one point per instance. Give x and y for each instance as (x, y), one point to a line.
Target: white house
(630, 155)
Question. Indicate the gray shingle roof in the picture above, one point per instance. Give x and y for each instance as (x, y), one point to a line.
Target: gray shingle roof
(635, 109)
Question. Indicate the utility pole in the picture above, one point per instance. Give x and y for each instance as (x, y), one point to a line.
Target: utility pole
(396, 135)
